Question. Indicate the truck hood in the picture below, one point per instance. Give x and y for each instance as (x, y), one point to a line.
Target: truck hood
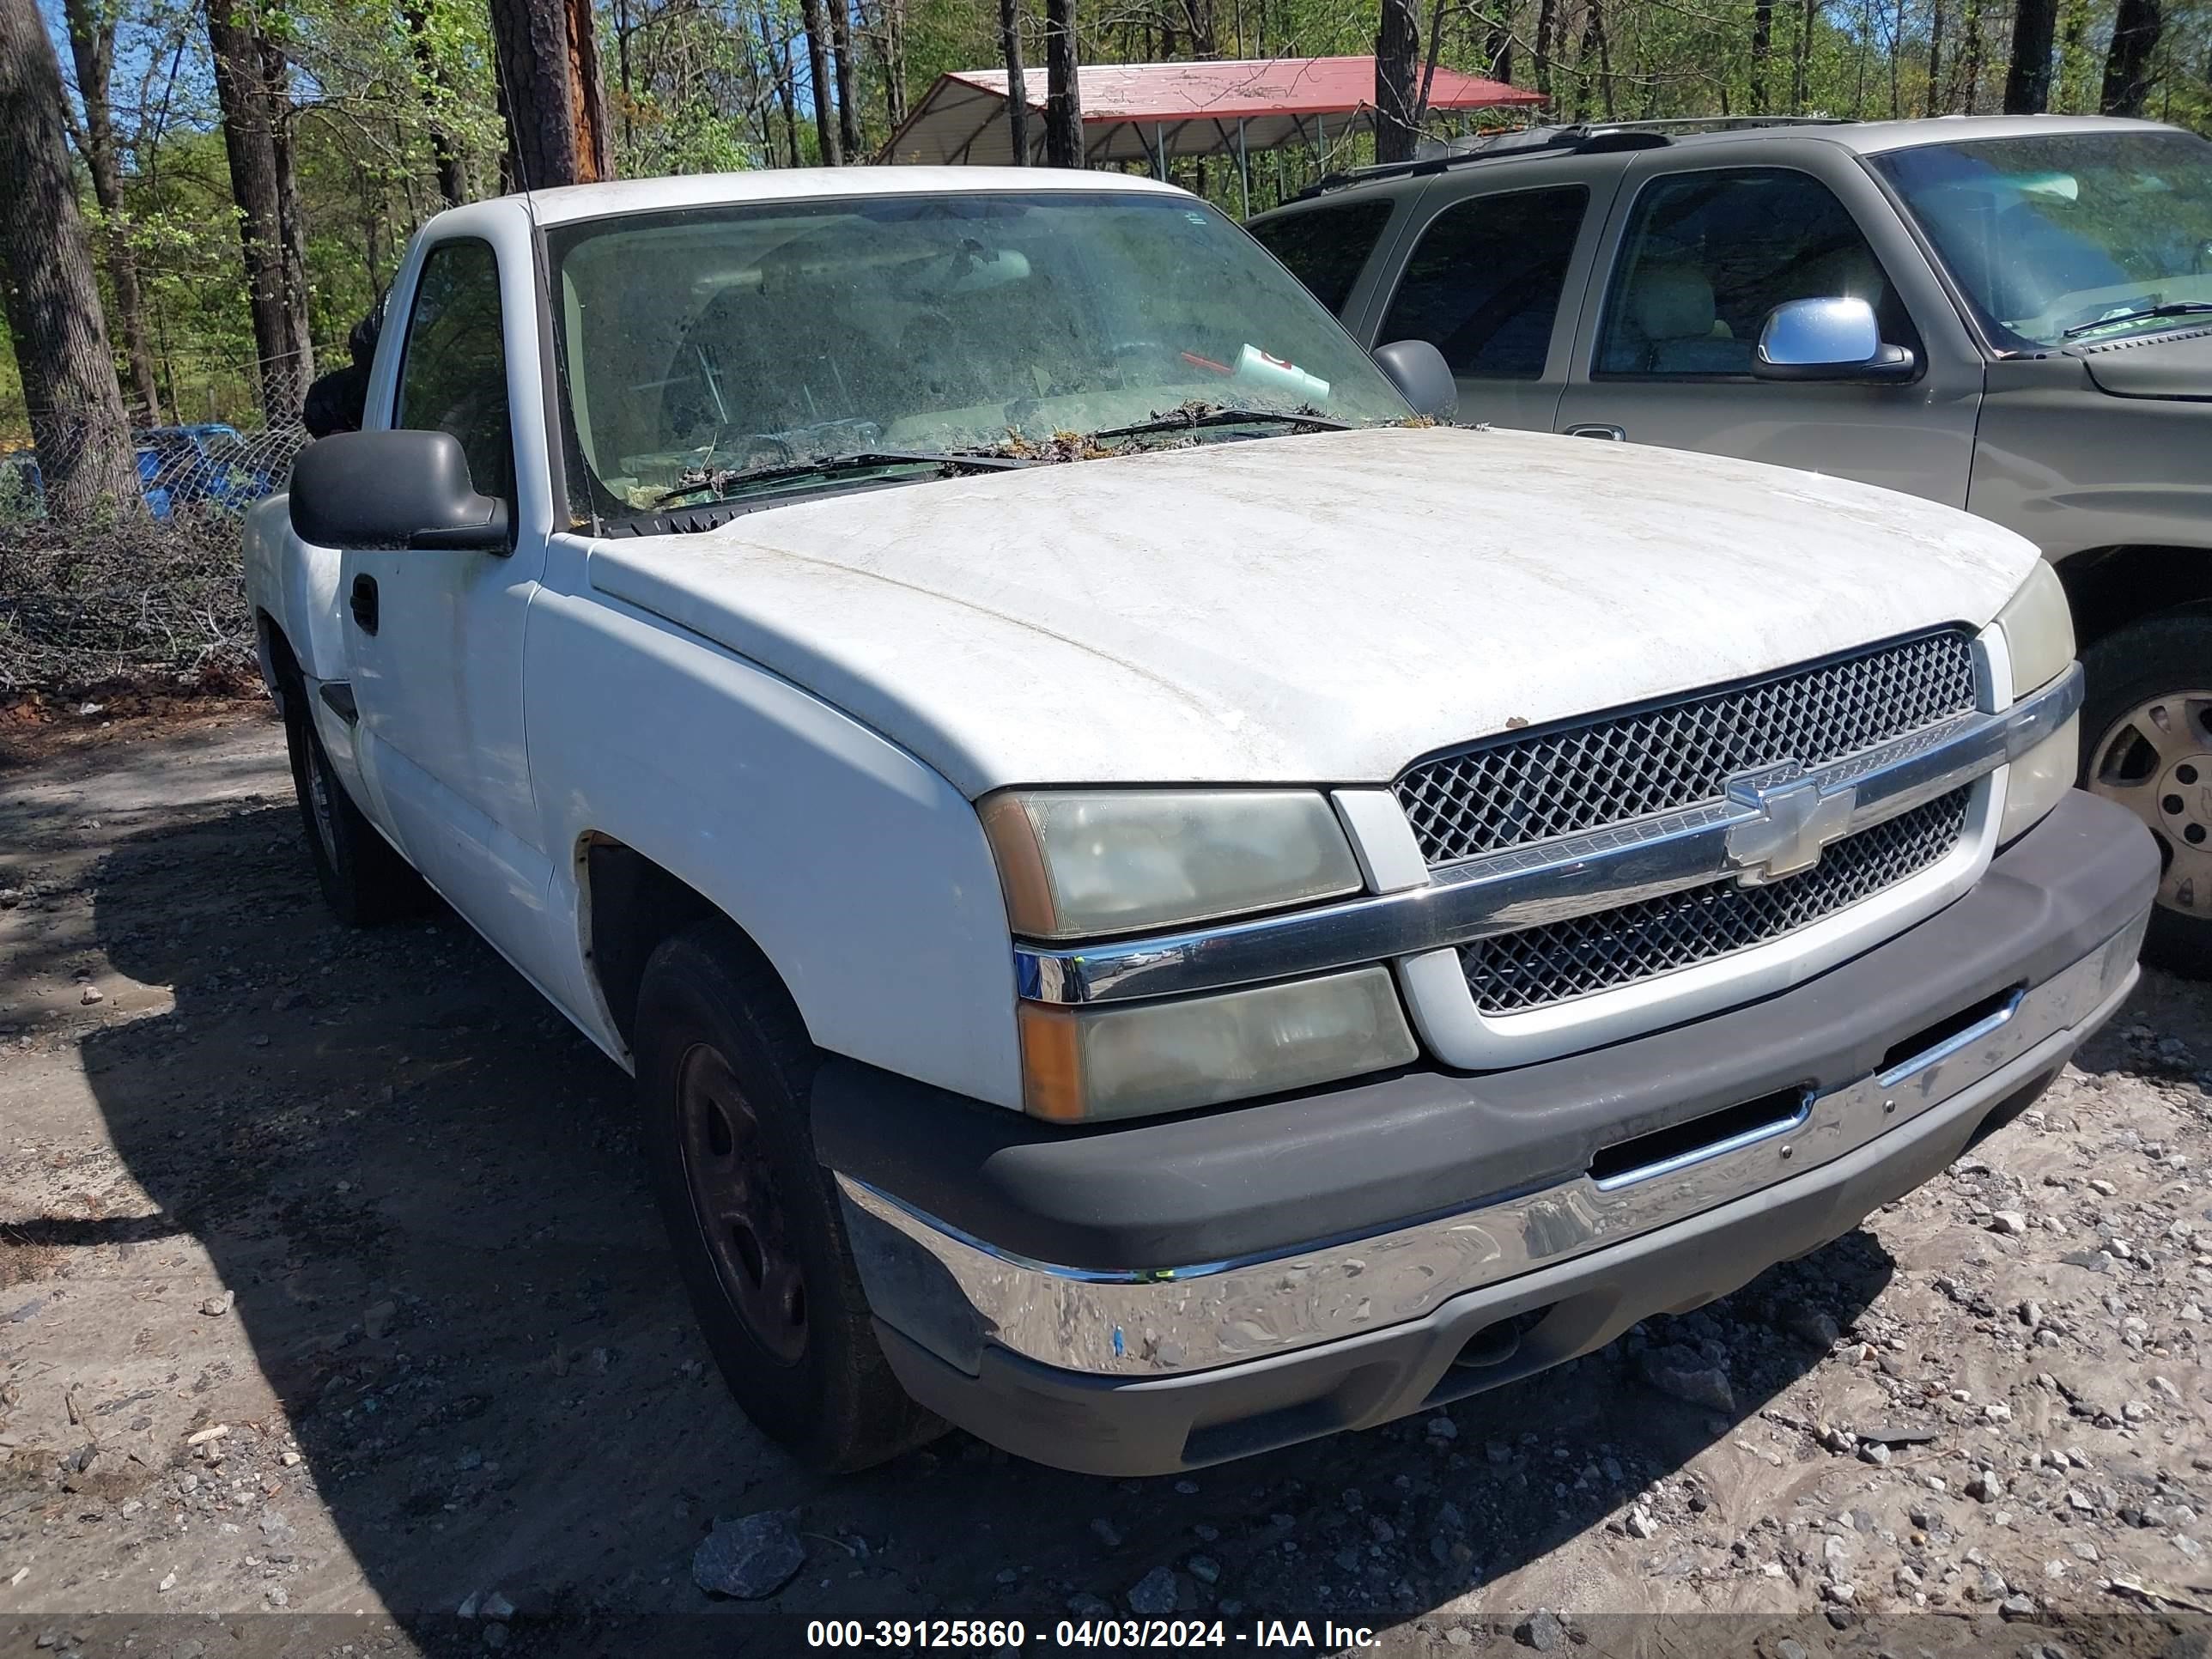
(2177, 363)
(1319, 609)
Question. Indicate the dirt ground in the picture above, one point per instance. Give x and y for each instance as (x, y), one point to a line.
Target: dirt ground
(329, 1284)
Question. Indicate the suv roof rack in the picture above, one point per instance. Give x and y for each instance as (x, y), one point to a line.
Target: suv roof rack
(1722, 123)
(1582, 138)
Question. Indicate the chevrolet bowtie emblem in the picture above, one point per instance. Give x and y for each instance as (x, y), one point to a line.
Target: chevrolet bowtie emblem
(1795, 820)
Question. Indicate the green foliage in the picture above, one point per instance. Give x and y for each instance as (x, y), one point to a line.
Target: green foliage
(379, 91)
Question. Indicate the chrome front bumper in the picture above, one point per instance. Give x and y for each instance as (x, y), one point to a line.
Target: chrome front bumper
(953, 1295)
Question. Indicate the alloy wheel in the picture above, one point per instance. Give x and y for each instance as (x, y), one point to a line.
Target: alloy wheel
(2156, 760)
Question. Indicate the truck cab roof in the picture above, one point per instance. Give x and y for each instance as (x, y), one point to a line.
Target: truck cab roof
(1719, 133)
(573, 201)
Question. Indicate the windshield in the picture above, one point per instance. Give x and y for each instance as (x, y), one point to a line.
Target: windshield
(702, 345)
(2068, 236)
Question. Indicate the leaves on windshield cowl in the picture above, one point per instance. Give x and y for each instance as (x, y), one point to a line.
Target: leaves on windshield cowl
(1086, 447)
(1061, 447)
(1089, 446)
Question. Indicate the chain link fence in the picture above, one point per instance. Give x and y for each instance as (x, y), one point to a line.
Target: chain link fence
(146, 589)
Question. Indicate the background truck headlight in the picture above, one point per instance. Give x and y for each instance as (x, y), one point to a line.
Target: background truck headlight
(1083, 863)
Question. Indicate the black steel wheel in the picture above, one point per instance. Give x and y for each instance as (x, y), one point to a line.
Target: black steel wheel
(363, 879)
(735, 1204)
(724, 1072)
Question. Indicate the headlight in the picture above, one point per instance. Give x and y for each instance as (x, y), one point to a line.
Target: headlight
(2038, 780)
(2037, 625)
(1082, 1065)
(1077, 865)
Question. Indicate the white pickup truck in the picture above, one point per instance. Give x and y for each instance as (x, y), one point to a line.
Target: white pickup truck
(1160, 903)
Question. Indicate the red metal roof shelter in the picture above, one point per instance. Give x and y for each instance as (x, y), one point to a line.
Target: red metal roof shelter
(1150, 113)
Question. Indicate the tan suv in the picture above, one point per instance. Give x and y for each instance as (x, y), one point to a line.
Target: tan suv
(2011, 315)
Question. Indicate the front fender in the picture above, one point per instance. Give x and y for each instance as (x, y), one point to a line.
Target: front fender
(295, 584)
(860, 872)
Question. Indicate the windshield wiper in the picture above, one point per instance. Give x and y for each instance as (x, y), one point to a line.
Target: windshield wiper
(1179, 420)
(830, 466)
(2171, 308)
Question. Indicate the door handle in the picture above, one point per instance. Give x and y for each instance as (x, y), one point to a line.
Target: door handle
(1597, 429)
(363, 603)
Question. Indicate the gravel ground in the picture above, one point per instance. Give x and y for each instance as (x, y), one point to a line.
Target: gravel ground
(329, 1284)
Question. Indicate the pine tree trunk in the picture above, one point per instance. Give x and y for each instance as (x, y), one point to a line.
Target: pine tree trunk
(1063, 102)
(816, 24)
(2027, 76)
(849, 108)
(1762, 49)
(1936, 59)
(92, 45)
(1970, 66)
(1429, 68)
(1548, 29)
(1397, 63)
(298, 324)
(2068, 93)
(779, 57)
(52, 300)
(1594, 49)
(248, 141)
(1498, 44)
(895, 64)
(550, 93)
(1018, 96)
(2136, 33)
(1897, 62)
(1604, 58)
(436, 84)
(1801, 68)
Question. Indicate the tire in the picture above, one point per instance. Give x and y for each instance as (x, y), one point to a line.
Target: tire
(2147, 743)
(723, 1074)
(363, 879)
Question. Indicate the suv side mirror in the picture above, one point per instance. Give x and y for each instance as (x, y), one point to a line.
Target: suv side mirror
(1422, 376)
(1836, 339)
(384, 489)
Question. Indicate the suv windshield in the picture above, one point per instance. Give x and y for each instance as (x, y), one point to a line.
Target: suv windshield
(702, 345)
(2068, 236)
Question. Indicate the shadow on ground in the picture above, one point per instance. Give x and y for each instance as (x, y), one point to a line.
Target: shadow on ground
(424, 1189)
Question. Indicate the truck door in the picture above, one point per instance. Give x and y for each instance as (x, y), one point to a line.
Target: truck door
(1701, 255)
(434, 637)
(1488, 283)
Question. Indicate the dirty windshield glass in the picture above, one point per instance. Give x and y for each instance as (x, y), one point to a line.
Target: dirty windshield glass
(2069, 236)
(703, 346)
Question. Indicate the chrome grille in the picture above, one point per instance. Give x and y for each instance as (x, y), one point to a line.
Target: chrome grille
(1508, 791)
(1512, 973)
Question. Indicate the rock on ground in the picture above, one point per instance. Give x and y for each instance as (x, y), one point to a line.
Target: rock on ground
(753, 1556)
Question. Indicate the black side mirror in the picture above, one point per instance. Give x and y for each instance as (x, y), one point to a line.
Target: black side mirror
(385, 489)
(1422, 376)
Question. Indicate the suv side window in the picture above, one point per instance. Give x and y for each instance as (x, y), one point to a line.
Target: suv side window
(1325, 247)
(1484, 284)
(454, 376)
(1708, 255)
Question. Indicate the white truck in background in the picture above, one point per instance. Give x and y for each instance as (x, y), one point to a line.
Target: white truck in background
(1160, 902)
